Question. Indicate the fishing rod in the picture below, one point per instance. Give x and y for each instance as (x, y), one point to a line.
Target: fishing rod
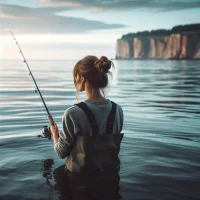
(46, 130)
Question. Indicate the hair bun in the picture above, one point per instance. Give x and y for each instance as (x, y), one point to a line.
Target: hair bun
(103, 59)
(103, 64)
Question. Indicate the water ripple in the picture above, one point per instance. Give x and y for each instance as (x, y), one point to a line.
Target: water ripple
(159, 153)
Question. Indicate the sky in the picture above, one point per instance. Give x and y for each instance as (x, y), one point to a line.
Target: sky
(62, 29)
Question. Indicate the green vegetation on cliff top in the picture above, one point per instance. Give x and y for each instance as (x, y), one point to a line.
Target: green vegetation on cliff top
(176, 29)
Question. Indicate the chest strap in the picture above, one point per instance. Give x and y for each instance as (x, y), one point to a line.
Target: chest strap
(92, 120)
(90, 116)
(111, 119)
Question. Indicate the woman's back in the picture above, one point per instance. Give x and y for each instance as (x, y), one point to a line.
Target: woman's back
(100, 110)
(95, 152)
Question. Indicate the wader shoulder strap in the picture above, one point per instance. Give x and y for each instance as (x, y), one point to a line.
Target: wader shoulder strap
(90, 116)
(111, 119)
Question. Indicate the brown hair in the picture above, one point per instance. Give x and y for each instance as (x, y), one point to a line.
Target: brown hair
(95, 71)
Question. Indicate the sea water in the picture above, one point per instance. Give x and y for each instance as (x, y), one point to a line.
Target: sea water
(160, 151)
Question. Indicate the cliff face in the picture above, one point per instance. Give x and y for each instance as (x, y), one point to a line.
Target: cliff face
(124, 49)
(174, 46)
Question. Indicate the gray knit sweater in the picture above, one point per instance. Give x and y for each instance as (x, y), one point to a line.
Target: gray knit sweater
(75, 121)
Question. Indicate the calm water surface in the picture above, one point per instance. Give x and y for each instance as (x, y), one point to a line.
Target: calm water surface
(160, 153)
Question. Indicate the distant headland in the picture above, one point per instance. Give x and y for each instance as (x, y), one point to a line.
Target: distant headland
(181, 42)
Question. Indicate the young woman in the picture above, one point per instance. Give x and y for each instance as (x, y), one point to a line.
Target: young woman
(91, 132)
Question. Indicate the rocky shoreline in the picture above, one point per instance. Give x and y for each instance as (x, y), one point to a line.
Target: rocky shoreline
(181, 42)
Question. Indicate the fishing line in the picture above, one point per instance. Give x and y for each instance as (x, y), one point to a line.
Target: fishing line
(38, 101)
(46, 130)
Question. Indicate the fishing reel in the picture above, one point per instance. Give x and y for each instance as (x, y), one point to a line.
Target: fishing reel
(46, 131)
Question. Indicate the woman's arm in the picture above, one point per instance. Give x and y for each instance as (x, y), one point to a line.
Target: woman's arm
(64, 143)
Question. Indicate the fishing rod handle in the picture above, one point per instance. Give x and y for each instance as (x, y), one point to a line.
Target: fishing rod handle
(50, 120)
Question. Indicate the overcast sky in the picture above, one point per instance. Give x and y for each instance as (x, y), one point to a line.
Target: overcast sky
(62, 29)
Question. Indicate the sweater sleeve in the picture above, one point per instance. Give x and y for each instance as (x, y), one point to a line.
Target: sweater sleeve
(66, 138)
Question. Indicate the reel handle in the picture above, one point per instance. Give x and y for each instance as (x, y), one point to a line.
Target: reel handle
(50, 120)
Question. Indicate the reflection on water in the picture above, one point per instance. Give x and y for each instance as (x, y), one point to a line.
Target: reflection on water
(75, 187)
(96, 187)
(47, 174)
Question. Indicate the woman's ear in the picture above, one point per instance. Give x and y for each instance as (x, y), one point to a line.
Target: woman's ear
(83, 80)
(82, 84)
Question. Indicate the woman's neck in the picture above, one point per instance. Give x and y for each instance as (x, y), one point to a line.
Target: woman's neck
(96, 97)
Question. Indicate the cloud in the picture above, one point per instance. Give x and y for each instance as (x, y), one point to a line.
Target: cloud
(23, 20)
(62, 3)
(162, 5)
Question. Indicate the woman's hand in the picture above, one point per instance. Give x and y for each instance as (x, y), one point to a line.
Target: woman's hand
(54, 129)
(54, 132)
